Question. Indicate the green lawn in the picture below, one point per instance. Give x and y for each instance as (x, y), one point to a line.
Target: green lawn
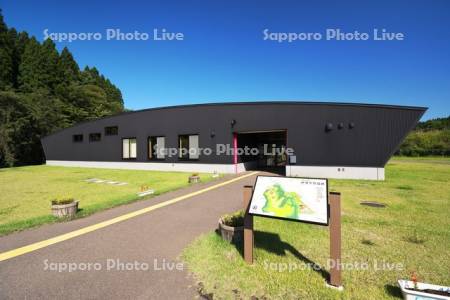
(413, 231)
(26, 192)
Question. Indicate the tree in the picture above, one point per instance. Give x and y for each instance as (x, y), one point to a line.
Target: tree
(12, 118)
(6, 54)
(48, 63)
(30, 73)
(68, 67)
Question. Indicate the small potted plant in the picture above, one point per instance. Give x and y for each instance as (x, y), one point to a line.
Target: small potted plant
(194, 178)
(231, 226)
(145, 190)
(64, 207)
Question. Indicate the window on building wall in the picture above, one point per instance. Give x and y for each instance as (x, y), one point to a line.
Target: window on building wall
(188, 146)
(129, 148)
(112, 130)
(77, 138)
(95, 137)
(156, 147)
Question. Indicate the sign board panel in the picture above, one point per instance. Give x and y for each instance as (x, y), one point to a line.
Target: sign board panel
(291, 198)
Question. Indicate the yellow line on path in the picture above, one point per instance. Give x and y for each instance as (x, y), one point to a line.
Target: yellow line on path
(60, 238)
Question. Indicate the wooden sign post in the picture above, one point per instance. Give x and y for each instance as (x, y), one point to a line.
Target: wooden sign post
(248, 226)
(334, 199)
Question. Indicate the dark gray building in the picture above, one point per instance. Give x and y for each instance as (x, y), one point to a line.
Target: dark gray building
(334, 140)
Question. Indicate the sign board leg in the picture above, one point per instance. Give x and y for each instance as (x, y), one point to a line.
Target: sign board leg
(335, 239)
(248, 226)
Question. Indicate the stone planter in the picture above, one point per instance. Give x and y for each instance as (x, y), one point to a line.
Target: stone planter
(65, 210)
(424, 291)
(194, 179)
(231, 234)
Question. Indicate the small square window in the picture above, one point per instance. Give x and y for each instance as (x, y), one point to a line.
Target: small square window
(77, 138)
(112, 130)
(95, 137)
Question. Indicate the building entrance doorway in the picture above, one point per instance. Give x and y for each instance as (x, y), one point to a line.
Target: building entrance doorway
(270, 155)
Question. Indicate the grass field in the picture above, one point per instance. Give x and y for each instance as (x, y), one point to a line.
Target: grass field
(26, 192)
(411, 234)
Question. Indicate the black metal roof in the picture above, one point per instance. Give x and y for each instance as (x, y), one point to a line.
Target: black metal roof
(284, 102)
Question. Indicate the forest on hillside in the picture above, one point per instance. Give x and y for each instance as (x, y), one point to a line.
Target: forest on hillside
(431, 137)
(43, 90)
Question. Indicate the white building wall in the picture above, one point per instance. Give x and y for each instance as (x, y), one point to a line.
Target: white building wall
(336, 172)
(294, 171)
(176, 167)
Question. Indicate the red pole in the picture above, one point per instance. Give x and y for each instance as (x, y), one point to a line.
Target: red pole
(235, 158)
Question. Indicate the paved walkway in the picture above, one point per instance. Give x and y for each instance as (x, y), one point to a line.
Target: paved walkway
(160, 234)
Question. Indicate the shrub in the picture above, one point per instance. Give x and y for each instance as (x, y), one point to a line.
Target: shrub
(235, 219)
(62, 201)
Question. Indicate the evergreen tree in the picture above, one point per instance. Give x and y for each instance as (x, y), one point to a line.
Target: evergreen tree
(6, 53)
(68, 67)
(19, 47)
(49, 61)
(30, 72)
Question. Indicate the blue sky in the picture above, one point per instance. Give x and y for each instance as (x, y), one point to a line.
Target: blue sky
(224, 57)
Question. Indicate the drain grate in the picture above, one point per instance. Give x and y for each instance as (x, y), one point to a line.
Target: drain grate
(372, 204)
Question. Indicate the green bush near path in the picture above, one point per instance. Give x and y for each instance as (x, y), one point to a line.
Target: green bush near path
(26, 192)
(379, 245)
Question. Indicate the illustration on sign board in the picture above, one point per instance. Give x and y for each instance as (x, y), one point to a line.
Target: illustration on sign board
(284, 204)
(300, 199)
